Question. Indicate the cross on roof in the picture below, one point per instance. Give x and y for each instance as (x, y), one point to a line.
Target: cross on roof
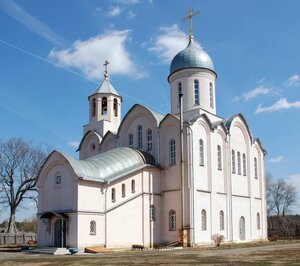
(105, 69)
(191, 13)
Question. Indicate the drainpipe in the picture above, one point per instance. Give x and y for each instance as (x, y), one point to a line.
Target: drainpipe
(182, 168)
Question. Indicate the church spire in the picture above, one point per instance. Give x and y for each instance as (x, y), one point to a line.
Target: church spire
(190, 14)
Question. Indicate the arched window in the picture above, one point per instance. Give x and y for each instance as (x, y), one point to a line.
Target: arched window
(113, 194)
(233, 161)
(140, 136)
(104, 106)
(196, 91)
(201, 152)
(203, 220)
(149, 140)
(172, 152)
(244, 164)
(179, 92)
(219, 157)
(115, 107)
(93, 107)
(221, 220)
(258, 221)
(239, 162)
(123, 191)
(255, 168)
(130, 140)
(172, 220)
(92, 228)
(57, 179)
(211, 95)
(132, 186)
(152, 212)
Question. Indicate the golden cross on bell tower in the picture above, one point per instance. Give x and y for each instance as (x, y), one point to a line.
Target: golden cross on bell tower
(191, 13)
(105, 70)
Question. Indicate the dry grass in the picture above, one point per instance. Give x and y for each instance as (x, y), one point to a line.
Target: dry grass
(287, 254)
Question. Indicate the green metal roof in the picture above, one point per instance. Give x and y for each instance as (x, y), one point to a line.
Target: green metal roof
(106, 87)
(111, 165)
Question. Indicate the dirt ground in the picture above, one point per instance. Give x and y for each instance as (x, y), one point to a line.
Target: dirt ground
(280, 254)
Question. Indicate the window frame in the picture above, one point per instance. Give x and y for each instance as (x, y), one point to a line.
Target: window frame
(130, 140)
(132, 186)
(152, 213)
(113, 195)
(211, 95)
(115, 107)
(123, 190)
(238, 155)
(149, 140)
(244, 165)
(258, 221)
(222, 220)
(104, 107)
(219, 151)
(172, 152)
(93, 227)
(201, 152)
(140, 136)
(196, 92)
(233, 161)
(255, 168)
(172, 220)
(203, 220)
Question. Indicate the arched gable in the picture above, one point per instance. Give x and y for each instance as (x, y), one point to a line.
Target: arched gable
(88, 134)
(242, 124)
(55, 158)
(108, 142)
(204, 117)
(169, 118)
(139, 110)
(257, 144)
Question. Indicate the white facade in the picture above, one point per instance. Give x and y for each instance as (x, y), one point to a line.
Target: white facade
(223, 172)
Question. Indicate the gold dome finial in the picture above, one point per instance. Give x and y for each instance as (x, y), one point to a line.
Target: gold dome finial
(105, 70)
(190, 14)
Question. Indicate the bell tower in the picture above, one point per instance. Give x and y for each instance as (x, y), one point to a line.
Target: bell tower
(104, 108)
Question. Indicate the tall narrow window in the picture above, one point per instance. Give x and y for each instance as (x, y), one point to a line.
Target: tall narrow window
(140, 136)
(244, 164)
(172, 220)
(92, 228)
(104, 106)
(132, 186)
(115, 107)
(196, 91)
(201, 152)
(123, 190)
(238, 162)
(211, 95)
(149, 140)
(113, 194)
(233, 161)
(221, 220)
(172, 151)
(258, 221)
(152, 212)
(130, 140)
(203, 220)
(179, 92)
(93, 107)
(255, 168)
(219, 157)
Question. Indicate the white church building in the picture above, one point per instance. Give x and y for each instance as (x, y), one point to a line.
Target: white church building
(153, 178)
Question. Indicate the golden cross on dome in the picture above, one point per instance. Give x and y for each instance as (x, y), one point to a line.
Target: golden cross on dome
(105, 70)
(191, 13)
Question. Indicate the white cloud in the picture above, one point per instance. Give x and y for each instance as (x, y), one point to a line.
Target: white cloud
(114, 11)
(279, 105)
(30, 22)
(73, 144)
(88, 56)
(260, 90)
(293, 81)
(168, 43)
(295, 180)
(131, 14)
(276, 160)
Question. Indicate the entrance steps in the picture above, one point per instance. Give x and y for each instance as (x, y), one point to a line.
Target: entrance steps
(50, 251)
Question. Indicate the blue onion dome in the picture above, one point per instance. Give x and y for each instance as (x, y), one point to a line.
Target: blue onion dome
(191, 57)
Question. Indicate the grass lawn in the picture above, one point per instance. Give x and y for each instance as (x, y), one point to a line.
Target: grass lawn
(280, 253)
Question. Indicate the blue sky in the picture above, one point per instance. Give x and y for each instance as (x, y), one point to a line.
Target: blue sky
(52, 54)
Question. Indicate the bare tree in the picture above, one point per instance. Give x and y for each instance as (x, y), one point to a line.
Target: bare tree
(281, 197)
(20, 163)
